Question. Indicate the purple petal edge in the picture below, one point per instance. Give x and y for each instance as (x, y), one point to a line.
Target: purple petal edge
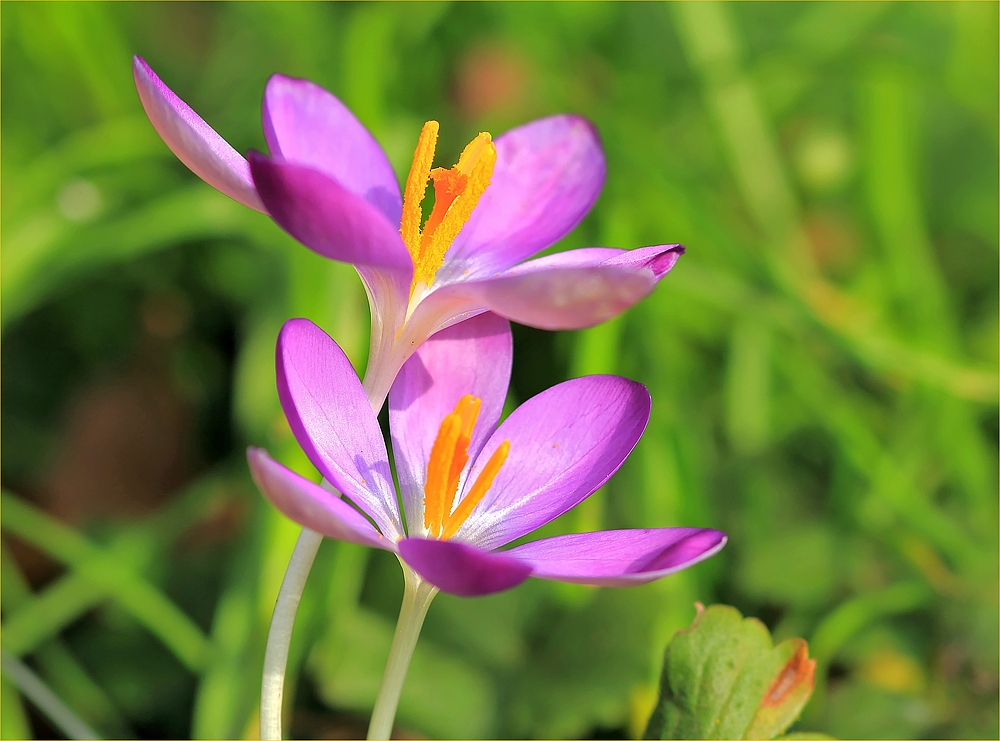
(462, 569)
(195, 143)
(311, 505)
(619, 557)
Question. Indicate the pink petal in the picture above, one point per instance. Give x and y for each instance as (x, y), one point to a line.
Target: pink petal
(307, 125)
(547, 177)
(614, 558)
(195, 143)
(327, 217)
(567, 290)
(564, 444)
(471, 357)
(311, 505)
(333, 421)
(462, 569)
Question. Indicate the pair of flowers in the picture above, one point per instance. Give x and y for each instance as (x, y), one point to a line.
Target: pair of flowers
(441, 292)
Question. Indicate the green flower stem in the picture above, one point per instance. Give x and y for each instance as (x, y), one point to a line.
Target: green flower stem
(279, 635)
(417, 596)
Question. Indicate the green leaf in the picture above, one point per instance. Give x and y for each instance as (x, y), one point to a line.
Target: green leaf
(723, 678)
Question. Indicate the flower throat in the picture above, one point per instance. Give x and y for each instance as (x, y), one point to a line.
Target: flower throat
(457, 190)
(449, 455)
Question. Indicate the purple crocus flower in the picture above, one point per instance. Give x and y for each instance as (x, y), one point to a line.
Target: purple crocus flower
(329, 184)
(468, 486)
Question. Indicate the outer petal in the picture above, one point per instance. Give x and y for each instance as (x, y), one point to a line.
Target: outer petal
(333, 421)
(547, 177)
(568, 290)
(614, 558)
(564, 444)
(462, 569)
(472, 357)
(193, 141)
(327, 217)
(307, 125)
(310, 505)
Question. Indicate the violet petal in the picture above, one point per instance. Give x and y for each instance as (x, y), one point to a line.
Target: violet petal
(462, 569)
(471, 357)
(564, 444)
(307, 125)
(195, 143)
(327, 217)
(311, 505)
(613, 558)
(547, 177)
(333, 421)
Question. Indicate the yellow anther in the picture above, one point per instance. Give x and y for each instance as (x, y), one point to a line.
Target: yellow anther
(449, 454)
(483, 483)
(457, 190)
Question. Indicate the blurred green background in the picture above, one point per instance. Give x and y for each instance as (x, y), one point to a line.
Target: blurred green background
(823, 361)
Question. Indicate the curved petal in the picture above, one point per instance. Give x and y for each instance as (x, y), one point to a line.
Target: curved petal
(471, 357)
(307, 125)
(564, 444)
(548, 175)
(195, 143)
(659, 259)
(614, 558)
(568, 290)
(462, 569)
(333, 421)
(311, 505)
(328, 218)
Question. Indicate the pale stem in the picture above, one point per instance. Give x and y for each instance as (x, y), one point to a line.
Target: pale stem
(417, 596)
(279, 635)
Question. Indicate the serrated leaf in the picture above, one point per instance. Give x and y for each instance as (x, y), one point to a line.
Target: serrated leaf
(723, 678)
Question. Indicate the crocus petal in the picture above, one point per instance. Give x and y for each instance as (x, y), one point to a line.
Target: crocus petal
(195, 143)
(568, 290)
(471, 357)
(619, 557)
(462, 569)
(327, 217)
(564, 444)
(311, 505)
(548, 175)
(307, 125)
(333, 421)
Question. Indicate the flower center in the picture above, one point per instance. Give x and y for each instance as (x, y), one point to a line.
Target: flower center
(449, 455)
(457, 190)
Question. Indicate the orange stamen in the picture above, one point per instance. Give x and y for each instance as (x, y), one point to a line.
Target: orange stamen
(477, 492)
(457, 190)
(449, 454)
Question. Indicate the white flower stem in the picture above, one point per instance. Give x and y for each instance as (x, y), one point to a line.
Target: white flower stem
(279, 635)
(417, 596)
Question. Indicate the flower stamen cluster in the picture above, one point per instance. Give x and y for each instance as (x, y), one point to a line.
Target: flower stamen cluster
(448, 457)
(457, 190)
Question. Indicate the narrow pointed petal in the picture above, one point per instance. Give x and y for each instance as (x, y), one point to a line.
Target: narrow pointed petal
(195, 143)
(311, 505)
(327, 217)
(471, 357)
(568, 290)
(307, 125)
(548, 175)
(614, 558)
(564, 444)
(462, 569)
(333, 421)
